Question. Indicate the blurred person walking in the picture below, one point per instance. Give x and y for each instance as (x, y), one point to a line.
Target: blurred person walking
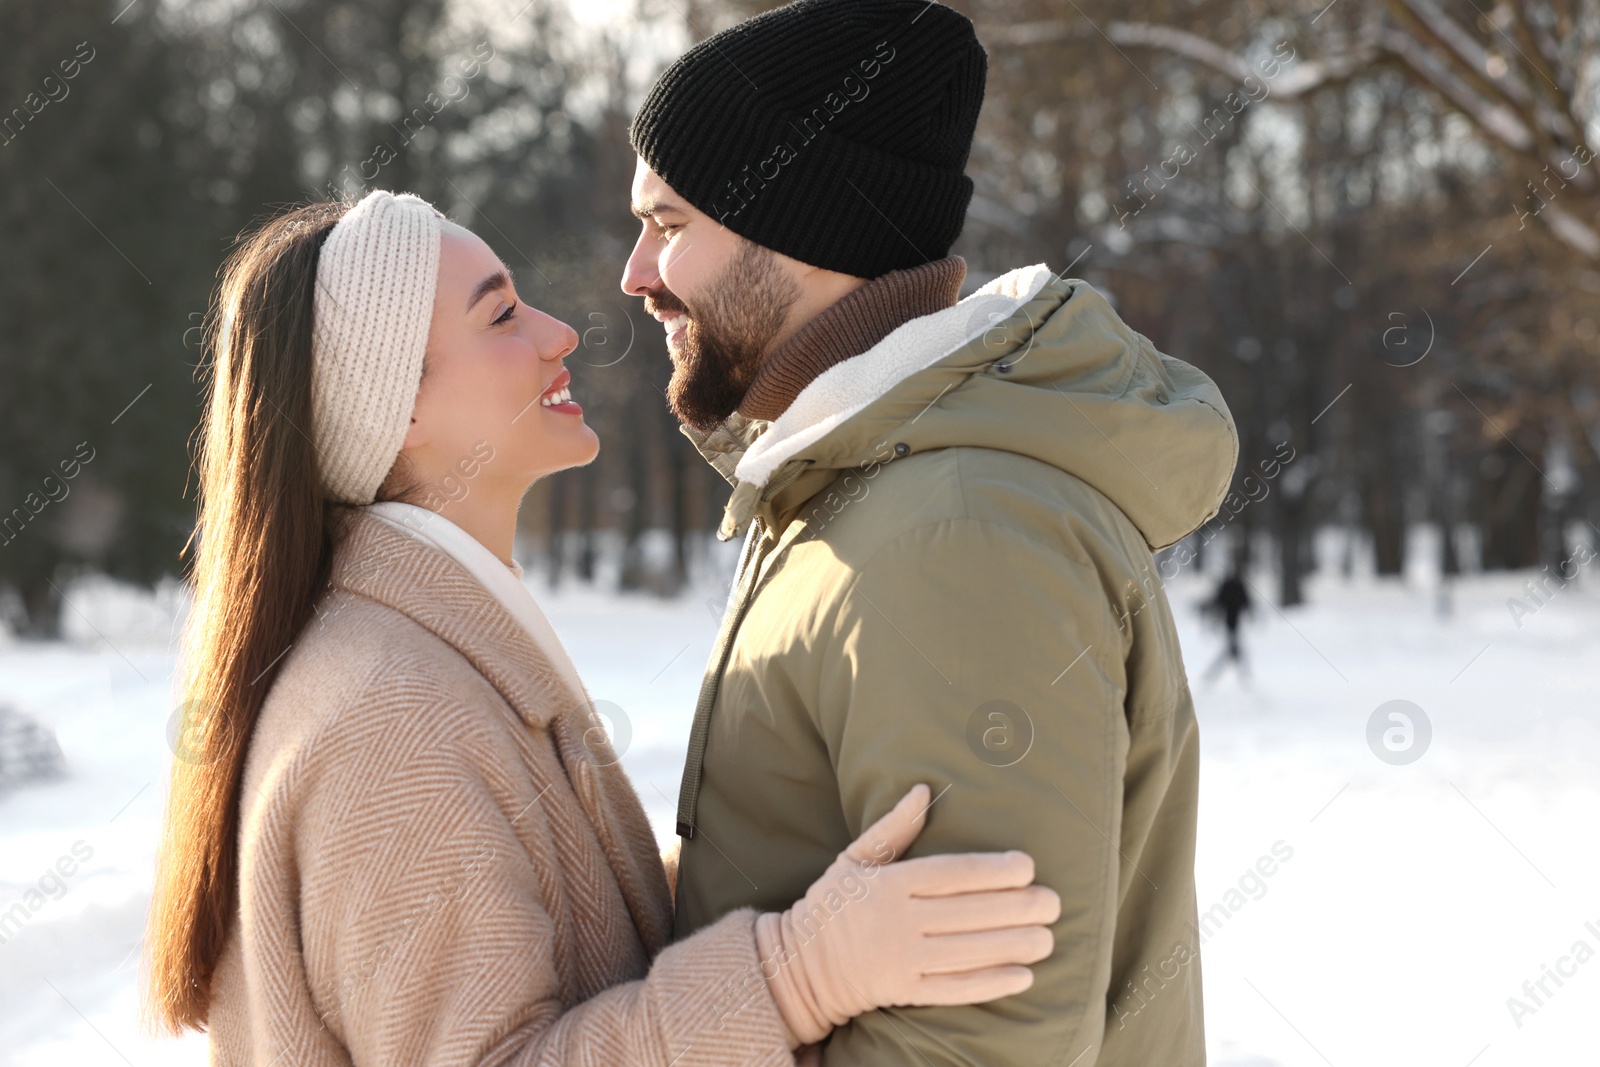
(1230, 603)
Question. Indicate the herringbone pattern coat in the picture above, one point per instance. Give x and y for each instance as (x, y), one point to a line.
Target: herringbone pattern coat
(441, 864)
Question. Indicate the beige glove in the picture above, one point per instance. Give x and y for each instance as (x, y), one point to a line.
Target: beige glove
(870, 933)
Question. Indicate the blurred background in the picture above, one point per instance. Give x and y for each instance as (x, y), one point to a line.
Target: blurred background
(1375, 223)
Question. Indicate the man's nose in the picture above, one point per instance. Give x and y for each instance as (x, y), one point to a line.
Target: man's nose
(640, 277)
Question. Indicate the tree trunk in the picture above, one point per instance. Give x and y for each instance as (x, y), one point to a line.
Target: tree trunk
(641, 446)
(560, 496)
(1385, 518)
(588, 490)
(1511, 511)
(42, 606)
(1291, 549)
(678, 513)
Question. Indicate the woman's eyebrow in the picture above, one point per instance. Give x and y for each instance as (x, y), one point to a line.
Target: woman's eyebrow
(500, 279)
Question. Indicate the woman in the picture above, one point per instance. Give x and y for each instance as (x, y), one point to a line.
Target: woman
(394, 836)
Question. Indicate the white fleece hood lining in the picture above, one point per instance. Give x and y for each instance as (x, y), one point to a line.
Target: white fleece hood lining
(846, 388)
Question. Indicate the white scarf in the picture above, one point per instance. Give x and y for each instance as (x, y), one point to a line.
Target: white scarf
(503, 582)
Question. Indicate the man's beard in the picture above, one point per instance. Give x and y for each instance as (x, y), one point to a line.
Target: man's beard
(730, 334)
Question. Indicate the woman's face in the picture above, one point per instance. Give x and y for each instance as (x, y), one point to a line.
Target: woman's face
(484, 415)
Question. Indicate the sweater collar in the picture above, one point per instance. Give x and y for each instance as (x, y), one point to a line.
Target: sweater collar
(849, 326)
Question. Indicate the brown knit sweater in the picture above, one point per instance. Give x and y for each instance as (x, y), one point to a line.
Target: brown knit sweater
(848, 327)
(440, 864)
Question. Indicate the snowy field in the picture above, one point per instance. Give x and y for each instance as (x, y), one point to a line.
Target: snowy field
(1416, 898)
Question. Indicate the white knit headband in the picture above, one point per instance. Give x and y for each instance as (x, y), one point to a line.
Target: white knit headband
(376, 276)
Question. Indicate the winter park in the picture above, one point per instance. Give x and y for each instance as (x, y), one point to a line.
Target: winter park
(847, 532)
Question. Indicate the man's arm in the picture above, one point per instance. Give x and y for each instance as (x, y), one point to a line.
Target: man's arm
(989, 665)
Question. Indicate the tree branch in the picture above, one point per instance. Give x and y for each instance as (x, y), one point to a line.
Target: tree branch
(1302, 78)
(1440, 55)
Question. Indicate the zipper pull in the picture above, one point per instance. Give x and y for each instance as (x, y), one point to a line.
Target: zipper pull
(741, 507)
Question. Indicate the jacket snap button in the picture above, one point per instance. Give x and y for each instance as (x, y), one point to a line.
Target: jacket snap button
(1002, 368)
(902, 449)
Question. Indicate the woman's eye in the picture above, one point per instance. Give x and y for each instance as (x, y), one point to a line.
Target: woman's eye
(504, 316)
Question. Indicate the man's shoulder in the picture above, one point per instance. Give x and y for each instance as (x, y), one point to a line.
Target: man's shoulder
(867, 510)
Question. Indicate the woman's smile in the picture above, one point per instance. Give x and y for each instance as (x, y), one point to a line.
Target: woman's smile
(557, 396)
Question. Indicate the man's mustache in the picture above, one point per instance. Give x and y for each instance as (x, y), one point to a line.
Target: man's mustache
(664, 301)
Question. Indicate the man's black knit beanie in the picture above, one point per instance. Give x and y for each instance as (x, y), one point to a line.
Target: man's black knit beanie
(833, 131)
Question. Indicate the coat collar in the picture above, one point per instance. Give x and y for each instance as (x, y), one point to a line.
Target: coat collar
(1031, 364)
(763, 459)
(423, 583)
(384, 563)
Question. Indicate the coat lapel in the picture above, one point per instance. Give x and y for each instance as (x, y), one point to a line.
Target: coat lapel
(389, 565)
(608, 798)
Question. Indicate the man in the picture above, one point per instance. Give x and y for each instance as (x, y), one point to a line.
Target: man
(1231, 601)
(951, 510)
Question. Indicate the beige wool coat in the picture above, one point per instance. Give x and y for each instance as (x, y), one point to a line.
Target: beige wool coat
(442, 862)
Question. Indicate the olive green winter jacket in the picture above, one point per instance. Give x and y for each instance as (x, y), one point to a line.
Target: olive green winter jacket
(948, 579)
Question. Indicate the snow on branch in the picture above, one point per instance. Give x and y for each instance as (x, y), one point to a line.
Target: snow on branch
(1297, 81)
(1496, 119)
(1435, 49)
(1465, 48)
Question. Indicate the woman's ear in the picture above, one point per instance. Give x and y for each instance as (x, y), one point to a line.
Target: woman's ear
(416, 436)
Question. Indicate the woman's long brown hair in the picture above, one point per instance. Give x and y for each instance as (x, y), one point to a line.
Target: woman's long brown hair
(265, 534)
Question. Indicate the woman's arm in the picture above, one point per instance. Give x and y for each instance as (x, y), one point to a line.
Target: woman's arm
(439, 917)
(427, 936)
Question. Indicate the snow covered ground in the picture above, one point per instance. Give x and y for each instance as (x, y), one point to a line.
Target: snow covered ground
(1415, 898)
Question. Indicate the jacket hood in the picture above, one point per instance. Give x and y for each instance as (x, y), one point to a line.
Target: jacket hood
(1032, 364)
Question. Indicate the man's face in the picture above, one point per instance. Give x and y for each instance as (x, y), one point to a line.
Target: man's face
(723, 300)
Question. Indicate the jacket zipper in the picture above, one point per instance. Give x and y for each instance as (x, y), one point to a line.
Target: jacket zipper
(689, 793)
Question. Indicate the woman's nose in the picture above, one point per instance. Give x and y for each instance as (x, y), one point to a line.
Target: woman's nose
(569, 340)
(554, 339)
